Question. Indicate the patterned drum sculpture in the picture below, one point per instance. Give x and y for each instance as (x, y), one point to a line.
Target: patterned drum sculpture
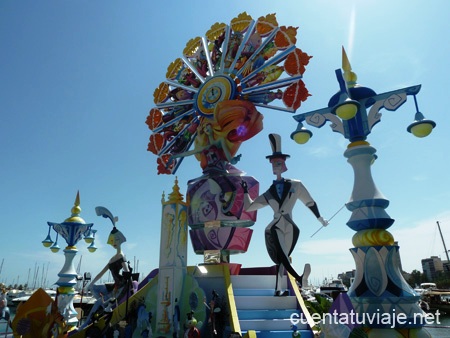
(216, 215)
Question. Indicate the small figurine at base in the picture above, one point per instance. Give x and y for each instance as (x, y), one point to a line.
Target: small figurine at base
(295, 332)
(191, 323)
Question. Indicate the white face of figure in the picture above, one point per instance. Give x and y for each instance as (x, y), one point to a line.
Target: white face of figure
(278, 165)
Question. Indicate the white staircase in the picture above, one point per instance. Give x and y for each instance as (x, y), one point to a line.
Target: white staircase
(259, 310)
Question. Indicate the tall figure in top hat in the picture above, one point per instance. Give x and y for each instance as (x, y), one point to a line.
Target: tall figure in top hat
(282, 233)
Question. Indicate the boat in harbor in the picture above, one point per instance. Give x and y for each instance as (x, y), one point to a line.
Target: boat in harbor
(332, 287)
(13, 294)
(425, 287)
(437, 299)
(23, 296)
(432, 298)
(85, 302)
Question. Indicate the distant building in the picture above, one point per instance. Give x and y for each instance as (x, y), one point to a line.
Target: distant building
(347, 277)
(446, 266)
(432, 266)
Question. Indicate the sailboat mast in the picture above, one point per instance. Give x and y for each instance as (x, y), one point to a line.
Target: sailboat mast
(443, 242)
(79, 265)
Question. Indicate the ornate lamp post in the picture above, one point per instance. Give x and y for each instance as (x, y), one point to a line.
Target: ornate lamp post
(72, 230)
(379, 288)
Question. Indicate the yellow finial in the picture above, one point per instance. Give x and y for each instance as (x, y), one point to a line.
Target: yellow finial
(75, 218)
(349, 76)
(76, 207)
(175, 195)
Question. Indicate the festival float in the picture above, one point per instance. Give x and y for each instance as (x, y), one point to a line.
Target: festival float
(206, 107)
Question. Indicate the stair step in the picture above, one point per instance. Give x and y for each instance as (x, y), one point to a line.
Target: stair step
(281, 334)
(270, 320)
(253, 292)
(265, 302)
(266, 325)
(267, 314)
(262, 281)
(258, 310)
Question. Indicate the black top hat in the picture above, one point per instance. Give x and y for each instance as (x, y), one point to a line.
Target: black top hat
(275, 142)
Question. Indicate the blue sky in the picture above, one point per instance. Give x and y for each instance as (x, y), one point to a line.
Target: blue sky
(77, 81)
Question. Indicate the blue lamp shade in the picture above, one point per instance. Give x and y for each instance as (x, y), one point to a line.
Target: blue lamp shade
(301, 135)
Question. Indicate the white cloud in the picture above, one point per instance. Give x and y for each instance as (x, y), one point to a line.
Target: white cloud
(422, 240)
(325, 247)
(329, 257)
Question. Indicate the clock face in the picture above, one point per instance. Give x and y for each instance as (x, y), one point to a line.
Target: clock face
(217, 89)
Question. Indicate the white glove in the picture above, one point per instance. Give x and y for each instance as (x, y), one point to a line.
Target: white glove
(323, 221)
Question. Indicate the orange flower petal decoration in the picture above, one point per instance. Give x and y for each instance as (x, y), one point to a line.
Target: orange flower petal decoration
(286, 37)
(156, 143)
(161, 93)
(191, 46)
(175, 118)
(154, 118)
(162, 166)
(174, 69)
(295, 62)
(215, 31)
(241, 22)
(295, 94)
(266, 24)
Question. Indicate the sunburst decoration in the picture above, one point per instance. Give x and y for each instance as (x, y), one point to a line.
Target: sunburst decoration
(248, 60)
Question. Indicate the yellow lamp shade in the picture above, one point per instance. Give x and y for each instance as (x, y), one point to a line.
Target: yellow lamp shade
(301, 137)
(422, 129)
(92, 247)
(55, 248)
(347, 110)
(46, 243)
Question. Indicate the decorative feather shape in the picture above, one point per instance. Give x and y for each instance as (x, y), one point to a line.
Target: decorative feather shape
(102, 211)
